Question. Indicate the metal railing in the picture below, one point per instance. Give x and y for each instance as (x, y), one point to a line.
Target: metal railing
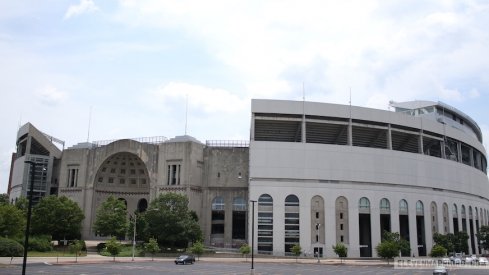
(151, 140)
(227, 143)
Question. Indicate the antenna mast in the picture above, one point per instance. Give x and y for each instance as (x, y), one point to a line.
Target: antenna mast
(89, 122)
(186, 113)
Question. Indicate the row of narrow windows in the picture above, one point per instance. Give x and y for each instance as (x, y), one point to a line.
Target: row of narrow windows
(473, 219)
(373, 135)
(218, 217)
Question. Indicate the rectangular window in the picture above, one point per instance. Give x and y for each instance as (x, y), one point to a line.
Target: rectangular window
(341, 226)
(122, 181)
(317, 215)
(174, 174)
(341, 238)
(341, 216)
(111, 180)
(72, 178)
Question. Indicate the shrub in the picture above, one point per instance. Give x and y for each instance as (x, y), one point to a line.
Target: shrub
(341, 250)
(100, 247)
(10, 248)
(40, 243)
(438, 251)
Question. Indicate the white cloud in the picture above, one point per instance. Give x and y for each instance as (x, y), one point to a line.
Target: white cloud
(51, 95)
(85, 6)
(368, 47)
(200, 99)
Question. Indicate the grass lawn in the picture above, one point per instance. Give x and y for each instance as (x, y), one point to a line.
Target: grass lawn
(125, 252)
(55, 253)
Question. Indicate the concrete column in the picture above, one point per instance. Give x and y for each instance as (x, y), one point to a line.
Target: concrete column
(228, 220)
(330, 227)
(420, 140)
(428, 236)
(395, 227)
(278, 225)
(413, 238)
(375, 226)
(354, 247)
(88, 204)
(389, 137)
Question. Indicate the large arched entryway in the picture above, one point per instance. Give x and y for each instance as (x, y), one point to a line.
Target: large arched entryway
(124, 176)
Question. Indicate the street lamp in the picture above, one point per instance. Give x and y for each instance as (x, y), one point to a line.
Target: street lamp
(29, 210)
(252, 235)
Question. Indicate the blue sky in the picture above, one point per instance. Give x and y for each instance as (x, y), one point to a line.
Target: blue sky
(135, 62)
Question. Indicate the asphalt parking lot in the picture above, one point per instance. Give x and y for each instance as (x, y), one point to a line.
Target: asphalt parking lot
(215, 268)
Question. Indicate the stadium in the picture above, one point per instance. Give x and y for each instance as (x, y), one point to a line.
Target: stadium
(316, 174)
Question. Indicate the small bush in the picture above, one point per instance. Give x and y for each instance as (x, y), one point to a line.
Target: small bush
(82, 242)
(438, 251)
(40, 243)
(100, 247)
(10, 248)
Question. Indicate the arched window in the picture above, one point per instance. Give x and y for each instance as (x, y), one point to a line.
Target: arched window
(454, 211)
(364, 227)
(239, 204)
(239, 219)
(463, 211)
(218, 203)
(364, 203)
(385, 205)
(217, 221)
(403, 207)
(142, 205)
(265, 224)
(470, 212)
(292, 233)
(419, 208)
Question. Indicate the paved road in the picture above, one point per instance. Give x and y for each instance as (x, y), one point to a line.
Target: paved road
(215, 268)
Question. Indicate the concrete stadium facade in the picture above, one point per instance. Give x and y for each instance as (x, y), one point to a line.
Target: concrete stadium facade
(323, 174)
(320, 174)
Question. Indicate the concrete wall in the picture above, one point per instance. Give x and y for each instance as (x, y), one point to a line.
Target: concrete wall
(226, 175)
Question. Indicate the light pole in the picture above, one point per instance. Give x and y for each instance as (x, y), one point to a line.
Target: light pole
(252, 235)
(317, 234)
(134, 237)
(29, 209)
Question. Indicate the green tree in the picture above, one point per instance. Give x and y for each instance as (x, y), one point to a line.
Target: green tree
(76, 248)
(388, 249)
(483, 236)
(445, 241)
(113, 247)
(22, 203)
(111, 219)
(4, 199)
(341, 250)
(245, 249)
(152, 247)
(10, 248)
(296, 250)
(12, 221)
(395, 237)
(59, 217)
(170, 220)
(197, 249)
(438, 251)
